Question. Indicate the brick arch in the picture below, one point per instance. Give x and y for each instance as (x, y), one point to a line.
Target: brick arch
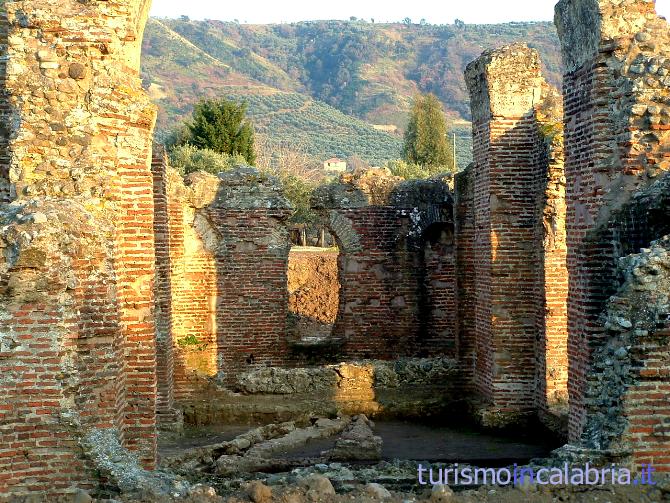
(343, 231)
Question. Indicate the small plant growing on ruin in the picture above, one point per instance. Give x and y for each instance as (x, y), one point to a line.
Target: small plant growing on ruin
(189, 341)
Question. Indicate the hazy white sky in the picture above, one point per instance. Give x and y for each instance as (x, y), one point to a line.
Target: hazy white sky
(434, 11)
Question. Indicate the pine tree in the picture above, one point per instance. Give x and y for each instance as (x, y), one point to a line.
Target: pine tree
(426, 142)
(220, 125)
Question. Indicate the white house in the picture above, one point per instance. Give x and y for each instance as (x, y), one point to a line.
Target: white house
(335, 165)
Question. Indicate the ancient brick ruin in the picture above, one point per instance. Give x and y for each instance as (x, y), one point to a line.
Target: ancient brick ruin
(132, 298)
(398, 288)
(616, 143)
(518, 242)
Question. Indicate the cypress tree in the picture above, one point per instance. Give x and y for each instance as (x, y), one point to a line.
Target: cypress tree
(426, 142)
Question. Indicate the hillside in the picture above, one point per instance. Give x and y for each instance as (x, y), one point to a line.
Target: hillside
(321, 130)
(365, 70)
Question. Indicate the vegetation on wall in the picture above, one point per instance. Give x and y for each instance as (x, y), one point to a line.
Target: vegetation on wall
(189, 159)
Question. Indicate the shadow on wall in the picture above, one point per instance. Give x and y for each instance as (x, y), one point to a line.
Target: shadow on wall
(378, 221)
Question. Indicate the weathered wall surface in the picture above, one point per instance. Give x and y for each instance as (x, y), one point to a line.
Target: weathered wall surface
(627, 409)
(510, 179)
(76, 302)
(552, 274)
(616, 136)
(380, 226)
(250, 214)
(225, 268)
(185, 288)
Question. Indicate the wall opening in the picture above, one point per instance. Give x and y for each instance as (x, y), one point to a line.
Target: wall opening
(313, 283)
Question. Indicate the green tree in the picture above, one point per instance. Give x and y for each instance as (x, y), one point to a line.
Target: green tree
(426, 142)
(220, 125)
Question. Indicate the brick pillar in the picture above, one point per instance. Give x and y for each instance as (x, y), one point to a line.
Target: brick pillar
(249, 214)
(168, 416)
(508, 177)
(552, 274)
(616, 136)
(78, 169)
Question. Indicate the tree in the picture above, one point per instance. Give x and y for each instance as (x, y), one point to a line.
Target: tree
(426, 142)
(220, 125)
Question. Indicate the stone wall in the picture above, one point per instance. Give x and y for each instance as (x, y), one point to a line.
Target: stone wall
(617, 125)
(515, 182)
(380, 225)
(76, 303)
(627, 411)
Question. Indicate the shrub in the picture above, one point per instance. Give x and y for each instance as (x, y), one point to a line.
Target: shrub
(188, 158)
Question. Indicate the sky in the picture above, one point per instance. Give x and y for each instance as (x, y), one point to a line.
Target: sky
(433, 11)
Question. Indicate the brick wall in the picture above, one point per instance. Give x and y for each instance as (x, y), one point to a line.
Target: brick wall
(61, 354)
(379, 314)
(615, 136)
(437, 299)
(83, 190)
(166, 413)
(186, 287)
(552, 274)
(464, 216)
(397, 276)
(252, 293)
(227, 259)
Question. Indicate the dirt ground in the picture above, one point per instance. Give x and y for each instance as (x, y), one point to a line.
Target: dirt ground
(313, 288)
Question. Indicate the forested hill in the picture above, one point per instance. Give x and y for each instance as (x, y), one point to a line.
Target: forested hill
(363, 69)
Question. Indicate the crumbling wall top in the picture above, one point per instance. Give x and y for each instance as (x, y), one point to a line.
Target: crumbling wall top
(377, 187)
(244, 187)
(363, 187)
(504, 82)
(583, 25)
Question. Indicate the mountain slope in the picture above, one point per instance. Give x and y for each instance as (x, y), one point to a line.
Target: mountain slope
(317, 128)
(365, 70)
